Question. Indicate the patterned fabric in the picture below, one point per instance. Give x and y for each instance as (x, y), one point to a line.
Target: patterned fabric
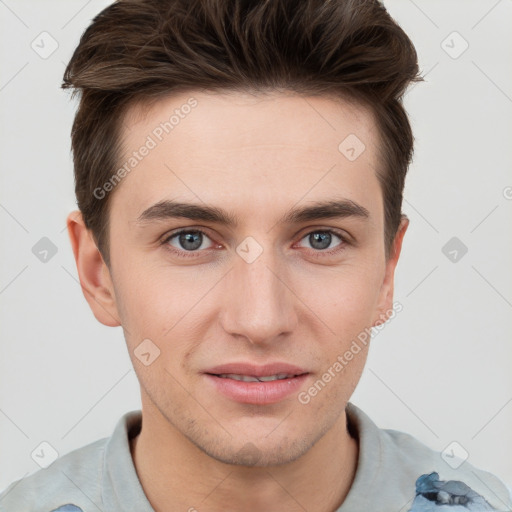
(436, 495)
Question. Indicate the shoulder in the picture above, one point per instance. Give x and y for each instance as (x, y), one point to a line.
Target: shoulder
(70, 484)
(444, 478)
(403, 468)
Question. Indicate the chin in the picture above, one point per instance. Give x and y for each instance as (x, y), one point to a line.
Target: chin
(254, 455)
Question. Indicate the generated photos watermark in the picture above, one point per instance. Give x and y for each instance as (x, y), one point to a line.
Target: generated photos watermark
(152, 140)
(361, 341)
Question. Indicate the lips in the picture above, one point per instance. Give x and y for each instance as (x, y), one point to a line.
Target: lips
(249, 369)
(251, 384)
(252, 378)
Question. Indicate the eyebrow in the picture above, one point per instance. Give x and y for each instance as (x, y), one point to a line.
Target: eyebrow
(168, 209)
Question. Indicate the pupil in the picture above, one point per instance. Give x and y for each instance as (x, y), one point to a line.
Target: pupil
(320, 240)
(191, 240)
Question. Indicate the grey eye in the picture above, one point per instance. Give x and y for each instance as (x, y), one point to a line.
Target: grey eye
(188, 240)
(321, 240)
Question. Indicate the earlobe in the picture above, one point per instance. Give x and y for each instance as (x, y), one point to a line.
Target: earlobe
(386, 293)
(93, 273)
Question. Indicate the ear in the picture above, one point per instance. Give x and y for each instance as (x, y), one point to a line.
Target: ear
(386, 292)
(94, 274)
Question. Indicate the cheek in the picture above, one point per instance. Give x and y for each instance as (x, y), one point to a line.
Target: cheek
(346, 297)
(145, 301)
(160, 303)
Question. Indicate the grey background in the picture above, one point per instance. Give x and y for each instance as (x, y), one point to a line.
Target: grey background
(440, 370)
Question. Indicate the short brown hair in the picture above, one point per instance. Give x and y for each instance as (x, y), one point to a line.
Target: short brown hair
(139, 50)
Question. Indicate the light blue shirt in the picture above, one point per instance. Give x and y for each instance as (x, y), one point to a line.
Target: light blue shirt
(395, 473)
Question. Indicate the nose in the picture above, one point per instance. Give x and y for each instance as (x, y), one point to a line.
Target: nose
(257, 303)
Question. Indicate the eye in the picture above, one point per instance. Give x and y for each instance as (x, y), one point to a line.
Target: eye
(321, 240)
(189, 240)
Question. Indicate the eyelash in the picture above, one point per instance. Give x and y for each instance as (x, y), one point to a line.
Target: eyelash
(194, 254)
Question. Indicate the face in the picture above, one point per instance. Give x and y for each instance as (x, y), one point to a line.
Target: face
(245, 242)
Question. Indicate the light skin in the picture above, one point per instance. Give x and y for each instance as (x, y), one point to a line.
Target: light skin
(257, 158)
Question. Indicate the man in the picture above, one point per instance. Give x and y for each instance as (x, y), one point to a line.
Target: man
(239, 173)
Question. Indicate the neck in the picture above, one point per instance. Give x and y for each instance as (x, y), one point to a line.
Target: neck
(176, 475)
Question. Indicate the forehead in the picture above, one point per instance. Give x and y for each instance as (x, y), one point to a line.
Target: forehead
(242, 148)
(224, 118)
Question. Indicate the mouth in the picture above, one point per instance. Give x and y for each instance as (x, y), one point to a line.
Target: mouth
(253, 378)
(258, 385)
